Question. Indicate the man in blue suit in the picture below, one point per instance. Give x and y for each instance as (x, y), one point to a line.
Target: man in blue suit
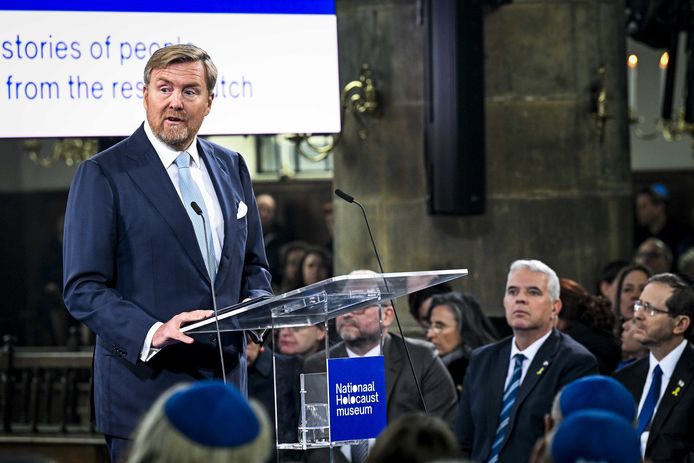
(135, 259)
(509, 386)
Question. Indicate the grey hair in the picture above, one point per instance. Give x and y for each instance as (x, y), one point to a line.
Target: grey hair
(156, 440)
(538, 267)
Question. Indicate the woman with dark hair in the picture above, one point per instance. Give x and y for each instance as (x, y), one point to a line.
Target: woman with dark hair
(589, 320)
(630, 284)
(456, 327)
(315, 266)
(292, 254)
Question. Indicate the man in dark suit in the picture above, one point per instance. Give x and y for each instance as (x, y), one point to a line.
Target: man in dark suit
(509, 385)
(136, 262)
(361, 334)
(663, 383)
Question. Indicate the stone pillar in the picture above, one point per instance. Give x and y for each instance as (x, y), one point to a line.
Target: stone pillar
(558, 189)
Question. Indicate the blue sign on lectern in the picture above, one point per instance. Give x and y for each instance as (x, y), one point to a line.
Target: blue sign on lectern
(357, 395)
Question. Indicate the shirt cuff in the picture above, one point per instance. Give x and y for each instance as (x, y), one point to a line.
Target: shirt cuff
(148, 351)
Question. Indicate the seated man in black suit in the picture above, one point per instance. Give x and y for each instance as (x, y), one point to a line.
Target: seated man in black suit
(509, 385)
(361, 335)
(662, 383)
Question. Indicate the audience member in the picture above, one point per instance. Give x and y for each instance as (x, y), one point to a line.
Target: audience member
(607, 278)
(301, 340)
(654, 254)
(361, 332)
(316, 266)
(420, 302)
(632, 350)
(292, 255)
(662, 383)
(589, 320)
(630, 282)
(274, 235)
(456, 327)
(653, 221)
(509, 385)
(415, 438)
(686, 263)
(595, 436)
(595, 392)
(205, 422)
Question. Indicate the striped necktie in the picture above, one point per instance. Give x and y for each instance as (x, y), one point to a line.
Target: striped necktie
(191, 193)
(506, 407)
(360, 451)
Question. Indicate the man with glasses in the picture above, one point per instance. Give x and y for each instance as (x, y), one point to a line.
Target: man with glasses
(361, 332)
(662, 383)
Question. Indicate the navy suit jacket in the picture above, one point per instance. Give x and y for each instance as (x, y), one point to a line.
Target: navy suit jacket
(131, 259)
(559, 361)
(671, 437)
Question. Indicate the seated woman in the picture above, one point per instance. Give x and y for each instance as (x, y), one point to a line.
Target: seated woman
(301, 340)
(291, 255)
(456, 327)
(316, 266)
(590, 321)
(630, 284)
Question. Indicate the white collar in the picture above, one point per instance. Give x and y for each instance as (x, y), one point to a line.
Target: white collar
(168, 155)
(531, 350)
(669, 362)
(376, 350)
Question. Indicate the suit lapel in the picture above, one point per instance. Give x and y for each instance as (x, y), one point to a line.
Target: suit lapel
(497, 381)
(221, 181)
(150, 176)
(681, 379)
(539, 365)
(636, 379)
(535, 373)
(393, 365)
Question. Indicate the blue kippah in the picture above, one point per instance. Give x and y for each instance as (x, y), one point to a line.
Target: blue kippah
(595, 435)
(660, 189)
(213, 414)
(600, 393)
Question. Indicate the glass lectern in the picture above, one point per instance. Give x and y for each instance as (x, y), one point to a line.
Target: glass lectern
(313, 305)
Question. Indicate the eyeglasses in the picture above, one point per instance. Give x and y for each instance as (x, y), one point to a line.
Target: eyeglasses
(650, 310)
(364, 309)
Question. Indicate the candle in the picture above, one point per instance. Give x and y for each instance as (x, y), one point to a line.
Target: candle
(632, 63)
(664, 61)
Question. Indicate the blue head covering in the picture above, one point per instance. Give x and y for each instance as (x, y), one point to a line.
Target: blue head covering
(596, 436)
(597, 392)
(213, 414)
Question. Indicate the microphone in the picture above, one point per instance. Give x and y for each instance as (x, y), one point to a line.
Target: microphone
(350, 199)
(345, 196)
(198, 211)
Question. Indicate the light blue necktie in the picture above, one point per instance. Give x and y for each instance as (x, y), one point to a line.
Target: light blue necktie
(651, 401)
(191, 193)
(506, 407)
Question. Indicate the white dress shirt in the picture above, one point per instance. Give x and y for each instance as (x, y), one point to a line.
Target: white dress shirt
(667, 365)
(346, 449)
(529, 354)
(202, 178)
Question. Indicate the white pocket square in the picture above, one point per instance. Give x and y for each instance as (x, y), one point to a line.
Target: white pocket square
(243, 209)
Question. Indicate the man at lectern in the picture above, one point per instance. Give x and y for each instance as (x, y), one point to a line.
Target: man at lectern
(152, 225)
